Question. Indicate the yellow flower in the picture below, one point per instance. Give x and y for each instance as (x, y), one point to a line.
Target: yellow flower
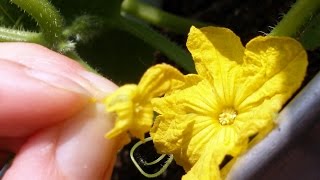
(131, 102)
(235, 96)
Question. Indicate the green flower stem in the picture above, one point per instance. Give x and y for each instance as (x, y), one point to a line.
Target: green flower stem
(297, 16)
(48, 18)
(159, 42)
(158, 17)
(11, 35)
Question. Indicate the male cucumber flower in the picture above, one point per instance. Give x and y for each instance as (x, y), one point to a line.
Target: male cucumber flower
(237, 94)
(131, 103)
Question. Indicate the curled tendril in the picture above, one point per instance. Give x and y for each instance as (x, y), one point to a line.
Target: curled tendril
(164, 167)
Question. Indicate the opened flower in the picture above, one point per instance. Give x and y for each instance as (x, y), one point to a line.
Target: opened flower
(234, 98)
(131, 103)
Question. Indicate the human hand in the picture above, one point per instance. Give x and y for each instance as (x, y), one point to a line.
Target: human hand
(47, 118)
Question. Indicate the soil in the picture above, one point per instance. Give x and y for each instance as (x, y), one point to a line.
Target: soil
(247, 18)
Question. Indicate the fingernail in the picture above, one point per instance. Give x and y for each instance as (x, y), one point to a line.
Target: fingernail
(105, 86)
(56, 81)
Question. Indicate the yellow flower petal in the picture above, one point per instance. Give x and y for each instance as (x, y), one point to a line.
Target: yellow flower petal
(131, 103)
(142, 121)
(189, 123)
(122, 140)
(215, 60)
(206, 168)
(274, 68)
(182, 136)
(167, 142)
(226, 142)
(198, 98)
(121, 102)
(211, 44)
(257, 121)
(158, 80)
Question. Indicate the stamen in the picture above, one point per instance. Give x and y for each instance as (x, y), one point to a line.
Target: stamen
(227, 116)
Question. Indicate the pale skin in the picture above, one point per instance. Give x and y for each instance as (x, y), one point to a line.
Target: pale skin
(48, 118)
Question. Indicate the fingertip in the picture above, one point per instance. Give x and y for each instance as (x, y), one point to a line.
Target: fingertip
(28, 104)
(83, 146)
(36, 56)
(75, 149)
(102, 85)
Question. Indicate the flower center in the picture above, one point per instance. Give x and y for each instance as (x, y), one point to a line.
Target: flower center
(227, 116)
(138, 108)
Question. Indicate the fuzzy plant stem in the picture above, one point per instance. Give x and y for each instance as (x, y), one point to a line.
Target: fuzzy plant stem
(47, 17)
(11, 35)
(300, 13)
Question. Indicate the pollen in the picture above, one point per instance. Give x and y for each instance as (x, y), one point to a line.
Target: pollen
(227, 116)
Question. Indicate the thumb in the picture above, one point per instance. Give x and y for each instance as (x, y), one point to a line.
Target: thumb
(50, 110)
(75, 149)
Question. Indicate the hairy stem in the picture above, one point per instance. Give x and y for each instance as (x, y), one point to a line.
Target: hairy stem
(48, 18)
(11, 35)
(298, 15)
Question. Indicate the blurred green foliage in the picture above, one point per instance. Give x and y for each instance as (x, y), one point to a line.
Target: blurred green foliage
(12, 16)
(120, 56)
(310, 37)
